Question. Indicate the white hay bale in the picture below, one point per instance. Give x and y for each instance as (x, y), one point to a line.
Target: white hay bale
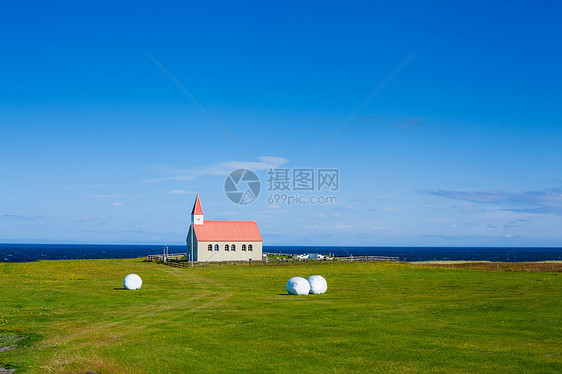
(318, 284)
(298, 286)
(132, 282)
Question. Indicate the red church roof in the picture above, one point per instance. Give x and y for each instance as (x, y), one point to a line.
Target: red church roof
(197, 207)
(227, 231)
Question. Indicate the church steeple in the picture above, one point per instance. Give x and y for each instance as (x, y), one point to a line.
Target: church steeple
(197, 213)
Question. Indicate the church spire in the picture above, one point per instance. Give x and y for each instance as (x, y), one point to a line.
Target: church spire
(197, 212)
(197, 206)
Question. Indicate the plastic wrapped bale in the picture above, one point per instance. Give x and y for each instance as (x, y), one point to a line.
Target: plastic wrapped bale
(298, 286)
(132, 282)
(318, 284)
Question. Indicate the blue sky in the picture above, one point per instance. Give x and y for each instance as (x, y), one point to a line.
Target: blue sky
(443, 119)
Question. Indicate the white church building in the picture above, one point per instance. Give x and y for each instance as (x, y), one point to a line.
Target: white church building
(222, 240)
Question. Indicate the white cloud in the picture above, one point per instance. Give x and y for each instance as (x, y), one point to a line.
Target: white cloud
(90, 219)
(181, 192)
(323, 215)
(117, 204)
(388, 209)
(547, 201)
(20, 217)
(106, 196)
(222, 169)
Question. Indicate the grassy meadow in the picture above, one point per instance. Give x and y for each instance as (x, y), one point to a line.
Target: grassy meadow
(75, 316)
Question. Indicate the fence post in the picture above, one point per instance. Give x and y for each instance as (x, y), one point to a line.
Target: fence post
(498, 266)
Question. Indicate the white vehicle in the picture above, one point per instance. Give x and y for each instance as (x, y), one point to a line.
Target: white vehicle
(311, 256)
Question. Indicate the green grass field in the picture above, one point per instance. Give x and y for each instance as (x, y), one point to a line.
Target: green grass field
(74, 316)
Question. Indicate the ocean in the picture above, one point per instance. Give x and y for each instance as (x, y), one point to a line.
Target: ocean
(34, 252)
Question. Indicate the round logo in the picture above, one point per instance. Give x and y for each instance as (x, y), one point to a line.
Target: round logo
(242, 186)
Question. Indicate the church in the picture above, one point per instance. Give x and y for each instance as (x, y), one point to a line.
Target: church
(222, 240)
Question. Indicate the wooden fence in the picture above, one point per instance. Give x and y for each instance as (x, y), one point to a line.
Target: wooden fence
(175, 259)
(171, 256)
(553, 266)
(367, 258)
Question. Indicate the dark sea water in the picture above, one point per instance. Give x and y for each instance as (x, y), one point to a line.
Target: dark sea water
(34, 252)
